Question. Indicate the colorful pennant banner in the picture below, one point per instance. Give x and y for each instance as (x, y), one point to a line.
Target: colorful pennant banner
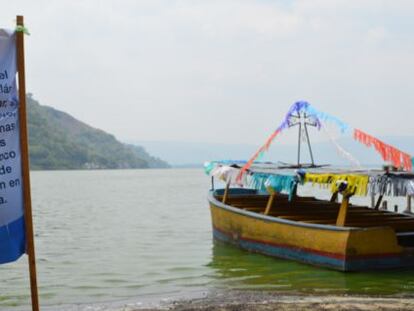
(361, 184)
(388, 153)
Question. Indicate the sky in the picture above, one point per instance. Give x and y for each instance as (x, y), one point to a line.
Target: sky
(220, 71)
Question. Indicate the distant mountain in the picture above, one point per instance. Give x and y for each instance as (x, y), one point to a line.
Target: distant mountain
(193, 154)
(59, 141)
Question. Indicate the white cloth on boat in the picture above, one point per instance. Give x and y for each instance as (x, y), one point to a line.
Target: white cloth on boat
(410, 187)
(391, 185)
(378, 184)
(227, 174)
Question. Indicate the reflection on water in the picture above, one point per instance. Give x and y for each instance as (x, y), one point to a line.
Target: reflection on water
(238, 269)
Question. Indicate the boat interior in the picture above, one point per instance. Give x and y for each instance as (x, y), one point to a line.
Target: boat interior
(314, 211)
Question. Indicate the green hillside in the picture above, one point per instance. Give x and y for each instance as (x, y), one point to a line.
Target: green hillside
(59, 141)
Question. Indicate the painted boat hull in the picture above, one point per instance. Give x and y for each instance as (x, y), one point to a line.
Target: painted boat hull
(339, 248)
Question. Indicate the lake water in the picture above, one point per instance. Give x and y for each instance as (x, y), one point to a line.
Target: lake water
(145, 235)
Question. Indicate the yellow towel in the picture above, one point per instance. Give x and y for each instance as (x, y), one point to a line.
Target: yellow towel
(357, 184)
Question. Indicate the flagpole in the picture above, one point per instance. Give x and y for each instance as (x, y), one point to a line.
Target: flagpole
(25, 164)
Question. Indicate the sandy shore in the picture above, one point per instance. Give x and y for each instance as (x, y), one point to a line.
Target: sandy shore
(250, 301)
(316, 303)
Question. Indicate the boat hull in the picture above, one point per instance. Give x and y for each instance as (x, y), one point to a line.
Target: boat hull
(339, 248)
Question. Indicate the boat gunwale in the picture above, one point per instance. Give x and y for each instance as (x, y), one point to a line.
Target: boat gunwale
(274, 219)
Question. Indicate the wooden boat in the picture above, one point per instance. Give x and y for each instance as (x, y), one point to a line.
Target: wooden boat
(306, 230)
(327, 233)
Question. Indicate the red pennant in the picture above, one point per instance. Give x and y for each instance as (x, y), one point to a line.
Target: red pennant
(263, 148)
(387, 152)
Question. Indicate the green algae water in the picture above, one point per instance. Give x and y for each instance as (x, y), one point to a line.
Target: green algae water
(145, 236)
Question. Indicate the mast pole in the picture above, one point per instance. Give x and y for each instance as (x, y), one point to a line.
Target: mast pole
(299, 136)
(309, 144)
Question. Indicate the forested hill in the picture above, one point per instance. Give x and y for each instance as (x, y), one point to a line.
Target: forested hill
(59, 141)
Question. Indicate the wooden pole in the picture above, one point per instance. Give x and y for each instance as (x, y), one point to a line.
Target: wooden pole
(334, 197)
(408, 209)
(343, 211)
(379, 202)
(226, 193)
(24, 149)
(270, 203)
(372, 200)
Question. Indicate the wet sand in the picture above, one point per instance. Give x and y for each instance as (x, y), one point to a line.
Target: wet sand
(261, 301)
(265, 301)
(243, 300)
(322, 305)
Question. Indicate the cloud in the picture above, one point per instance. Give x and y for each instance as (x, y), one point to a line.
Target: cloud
(219, 70)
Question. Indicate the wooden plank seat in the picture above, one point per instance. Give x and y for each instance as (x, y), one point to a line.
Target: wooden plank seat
(265, 198)
(283, 205)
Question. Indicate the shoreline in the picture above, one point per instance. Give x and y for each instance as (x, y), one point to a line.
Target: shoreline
(263, 301)
(249, 300)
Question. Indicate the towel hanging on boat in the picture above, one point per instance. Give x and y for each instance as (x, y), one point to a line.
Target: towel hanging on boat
(357, 184)
(257, 181)
(389, 184)
(281, 183)
(226, 174)
(208, 166)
